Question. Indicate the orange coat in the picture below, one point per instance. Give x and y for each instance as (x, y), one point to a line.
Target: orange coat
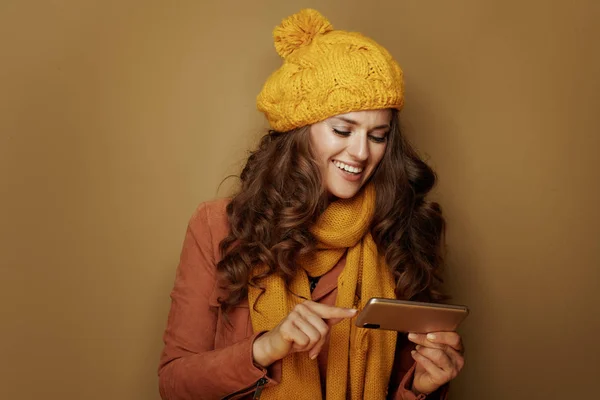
(203, 358)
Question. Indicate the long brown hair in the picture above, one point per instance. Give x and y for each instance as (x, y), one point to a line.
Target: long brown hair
(281, 196)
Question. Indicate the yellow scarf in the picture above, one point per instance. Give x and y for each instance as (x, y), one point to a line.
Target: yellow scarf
(360, 360)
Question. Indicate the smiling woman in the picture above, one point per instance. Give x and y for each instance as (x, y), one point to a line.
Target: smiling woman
(348, 148)
(331, 213)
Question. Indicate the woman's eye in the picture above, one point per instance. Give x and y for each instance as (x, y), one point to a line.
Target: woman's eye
(379, 139)
(341, 133)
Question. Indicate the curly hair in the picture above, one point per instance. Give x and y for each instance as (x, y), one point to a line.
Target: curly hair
(282, 196)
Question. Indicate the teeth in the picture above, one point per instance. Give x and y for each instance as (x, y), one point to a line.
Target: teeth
(348, 168)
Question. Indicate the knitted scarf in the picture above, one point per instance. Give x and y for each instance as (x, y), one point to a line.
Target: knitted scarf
(359, 360)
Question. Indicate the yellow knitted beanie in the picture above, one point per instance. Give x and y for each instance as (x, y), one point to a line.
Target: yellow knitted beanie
(326, 72)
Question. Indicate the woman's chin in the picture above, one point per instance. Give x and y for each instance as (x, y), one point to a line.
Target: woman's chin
(344, 191)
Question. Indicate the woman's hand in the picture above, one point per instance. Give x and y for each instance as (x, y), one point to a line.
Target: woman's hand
(304, 329)
(439, 357)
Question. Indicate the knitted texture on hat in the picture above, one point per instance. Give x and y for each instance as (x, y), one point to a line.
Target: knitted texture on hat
(326, 72)
(359, 360)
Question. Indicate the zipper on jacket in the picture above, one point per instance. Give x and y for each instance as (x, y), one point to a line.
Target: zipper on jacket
(258, 388)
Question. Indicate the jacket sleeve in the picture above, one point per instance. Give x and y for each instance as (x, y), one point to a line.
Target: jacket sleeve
(190, 367)
(403, 373)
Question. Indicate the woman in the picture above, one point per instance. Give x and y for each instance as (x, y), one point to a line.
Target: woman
(331, 213)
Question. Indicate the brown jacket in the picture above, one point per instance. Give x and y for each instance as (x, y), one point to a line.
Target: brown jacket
(203, 358)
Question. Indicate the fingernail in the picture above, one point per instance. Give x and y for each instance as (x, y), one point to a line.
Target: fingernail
(430, 336)
(413, 352)
(418, 347)
(313, 356)
(412, 336)
(353, 310)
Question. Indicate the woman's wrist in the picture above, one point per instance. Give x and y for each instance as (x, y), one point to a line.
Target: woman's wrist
(259, 352)
(415, 391)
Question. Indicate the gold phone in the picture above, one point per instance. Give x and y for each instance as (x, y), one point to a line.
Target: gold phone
(411, 316)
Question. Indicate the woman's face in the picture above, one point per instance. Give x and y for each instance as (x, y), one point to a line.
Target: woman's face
(349, 147)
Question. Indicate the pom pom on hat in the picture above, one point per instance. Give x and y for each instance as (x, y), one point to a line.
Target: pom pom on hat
(299, 30)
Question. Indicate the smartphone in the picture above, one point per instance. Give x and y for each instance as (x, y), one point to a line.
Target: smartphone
(411, 316)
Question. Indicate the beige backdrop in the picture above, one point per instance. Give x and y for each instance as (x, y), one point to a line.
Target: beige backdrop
(118, 117)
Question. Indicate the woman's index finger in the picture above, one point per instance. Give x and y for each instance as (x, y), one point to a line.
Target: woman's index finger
(329, 312)
(451, 339)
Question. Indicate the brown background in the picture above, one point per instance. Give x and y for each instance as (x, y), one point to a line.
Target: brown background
(118, 117)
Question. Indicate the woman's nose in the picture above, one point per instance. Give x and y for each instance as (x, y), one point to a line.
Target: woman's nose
(358, 147)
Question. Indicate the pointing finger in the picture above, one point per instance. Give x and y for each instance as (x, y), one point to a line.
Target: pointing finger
(331, 313)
